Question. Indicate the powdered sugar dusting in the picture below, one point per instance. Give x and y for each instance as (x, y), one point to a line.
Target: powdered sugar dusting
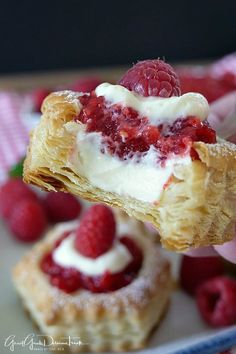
(70, 96)
(138, 293)
(153, 275)
(223, 149)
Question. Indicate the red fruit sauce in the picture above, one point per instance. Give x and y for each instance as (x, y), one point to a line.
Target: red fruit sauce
(70, 279)
(126, 133)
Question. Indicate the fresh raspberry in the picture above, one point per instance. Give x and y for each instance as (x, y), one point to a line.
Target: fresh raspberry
(61, 206)
(225, 70)
(10, 193)
(216, 300)
(152, 78)
(195, 270)
(38, 97)
(70, 279)
(28, 220)
(86, 85)
(96, 231)
(201, 81)
(135, 251)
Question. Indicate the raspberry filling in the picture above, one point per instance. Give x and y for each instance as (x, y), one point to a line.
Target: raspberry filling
(70, 279)
(127, 134)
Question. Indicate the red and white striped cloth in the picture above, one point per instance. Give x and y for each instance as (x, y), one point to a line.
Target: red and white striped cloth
(13, 133)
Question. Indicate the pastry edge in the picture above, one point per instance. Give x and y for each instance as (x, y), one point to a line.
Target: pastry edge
(212, 214)
(68, 317)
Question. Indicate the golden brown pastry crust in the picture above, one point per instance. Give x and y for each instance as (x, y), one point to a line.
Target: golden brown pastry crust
(116, 321)
(196, 209)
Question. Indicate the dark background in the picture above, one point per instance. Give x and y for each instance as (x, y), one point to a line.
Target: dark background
(46, 35)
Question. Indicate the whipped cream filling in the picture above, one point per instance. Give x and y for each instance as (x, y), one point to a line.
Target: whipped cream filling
(143, 180)
(114, 261)
(157, 109)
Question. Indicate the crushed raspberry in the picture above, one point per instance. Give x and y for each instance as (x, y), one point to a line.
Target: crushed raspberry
(38, 97)
(195, 270)
(47, 264)
(28, 220)
(49, 267)
(96, 231)
(70, 279)
(216, 300)
(125, 133)
(66, 279)
(11, 192)
(61, 206)
(152, 78)
(224, 70)
(107, 282)
(135, 251)
(86, 84)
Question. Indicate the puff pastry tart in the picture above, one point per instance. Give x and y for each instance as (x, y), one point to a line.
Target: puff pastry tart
(155, 157)
(110, 301)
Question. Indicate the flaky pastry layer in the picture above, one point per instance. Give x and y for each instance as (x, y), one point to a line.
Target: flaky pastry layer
(116, 321)
(196, 209)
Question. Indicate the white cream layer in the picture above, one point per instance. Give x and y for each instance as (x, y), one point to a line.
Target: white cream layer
(115, 260)
(143, 180)
(158, 110)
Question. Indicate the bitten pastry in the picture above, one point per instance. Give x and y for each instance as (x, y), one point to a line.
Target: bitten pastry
(144, 148)
(92, 286)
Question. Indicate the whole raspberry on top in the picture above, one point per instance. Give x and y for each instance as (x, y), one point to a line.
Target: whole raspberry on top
(152, 77)
(96, 231)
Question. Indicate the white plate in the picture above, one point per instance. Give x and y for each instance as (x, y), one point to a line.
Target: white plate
(182, 327)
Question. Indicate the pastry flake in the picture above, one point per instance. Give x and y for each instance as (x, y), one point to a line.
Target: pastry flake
(115, 321)
(195, 207)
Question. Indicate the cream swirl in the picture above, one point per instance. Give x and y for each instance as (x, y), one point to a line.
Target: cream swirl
(157, 109)
(114, 260)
